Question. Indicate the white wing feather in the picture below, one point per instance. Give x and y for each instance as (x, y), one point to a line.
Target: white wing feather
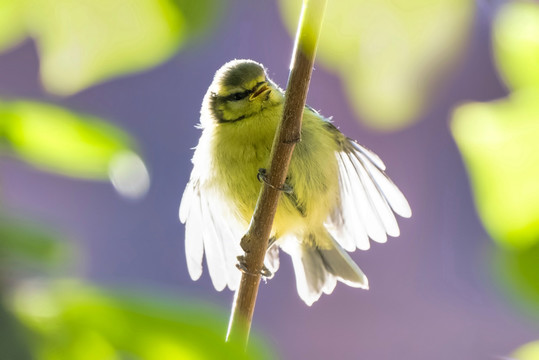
(349, 231)
(210, 229)
(368, 199)
(389, 190)
(375, 159)
(376, 198)
(191, 216)
(227, 235)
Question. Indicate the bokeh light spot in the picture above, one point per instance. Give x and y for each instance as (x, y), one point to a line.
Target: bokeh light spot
(129, 175)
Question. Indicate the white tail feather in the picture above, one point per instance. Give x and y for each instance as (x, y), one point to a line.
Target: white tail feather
(319, 264)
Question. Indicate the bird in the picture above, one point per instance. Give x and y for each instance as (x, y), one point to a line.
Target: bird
(335, 198)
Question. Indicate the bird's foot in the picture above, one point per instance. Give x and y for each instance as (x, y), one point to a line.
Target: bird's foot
(262, 177)
(242, 266)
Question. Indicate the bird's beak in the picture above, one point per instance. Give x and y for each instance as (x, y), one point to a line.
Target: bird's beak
(262, 89)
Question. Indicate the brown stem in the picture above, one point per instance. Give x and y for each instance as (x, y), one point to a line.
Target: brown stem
(255, 241)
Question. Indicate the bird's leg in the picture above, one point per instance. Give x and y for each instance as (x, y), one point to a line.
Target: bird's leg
(286, 188)
(263, 177)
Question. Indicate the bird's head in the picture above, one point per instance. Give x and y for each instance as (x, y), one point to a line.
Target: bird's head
(240, 89)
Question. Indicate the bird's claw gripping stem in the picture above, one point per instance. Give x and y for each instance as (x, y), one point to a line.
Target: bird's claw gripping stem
(242, 266)
(262, 177)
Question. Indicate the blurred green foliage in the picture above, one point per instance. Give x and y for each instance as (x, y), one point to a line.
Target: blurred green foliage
(83, 42)
(388, 52)
(71, 320)
(11, 23)
(12, 336)
(517, 272)
(201, 16)
(529, 351)
(516, 44)
(28, 246)
(499, 142)
(74, 321)
(26, 249)
(57, 140)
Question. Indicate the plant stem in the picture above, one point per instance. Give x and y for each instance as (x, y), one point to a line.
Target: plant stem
(255, 241)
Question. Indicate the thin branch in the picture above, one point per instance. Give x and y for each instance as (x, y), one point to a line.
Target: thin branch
(255, 241)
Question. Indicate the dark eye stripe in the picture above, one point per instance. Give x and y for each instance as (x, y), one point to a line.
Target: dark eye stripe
(238, 96)
(242, 95)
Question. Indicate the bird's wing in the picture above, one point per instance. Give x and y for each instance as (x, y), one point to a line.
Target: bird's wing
(368, 199)
(210, 228)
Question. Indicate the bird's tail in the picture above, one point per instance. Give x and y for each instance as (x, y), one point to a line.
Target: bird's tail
(319, 261)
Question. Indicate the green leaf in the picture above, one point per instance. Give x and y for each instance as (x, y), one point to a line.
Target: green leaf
(388, 52)
(27, 244)
(82, 42)
(78, 322)
(500, 146)
(57, 140)
(516, 43)
(12, 28)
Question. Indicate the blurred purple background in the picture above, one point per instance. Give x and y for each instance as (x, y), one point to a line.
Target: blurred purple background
(432, 296)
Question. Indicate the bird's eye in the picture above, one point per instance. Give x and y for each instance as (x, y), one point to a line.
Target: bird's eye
(238, 96)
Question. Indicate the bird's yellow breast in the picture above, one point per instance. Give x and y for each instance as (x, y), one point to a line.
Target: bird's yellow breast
(240, 149)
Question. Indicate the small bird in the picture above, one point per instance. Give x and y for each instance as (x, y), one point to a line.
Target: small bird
(336, 195)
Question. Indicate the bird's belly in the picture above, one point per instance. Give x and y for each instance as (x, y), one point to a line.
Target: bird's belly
(315, 186)
(308, 206)
(313, 175)
(238, 171)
